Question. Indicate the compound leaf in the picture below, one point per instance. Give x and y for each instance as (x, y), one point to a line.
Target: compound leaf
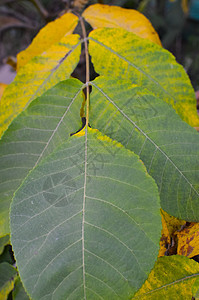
(150, 127)
(86, 222)
(45, 124)
(121, 54)
(99, 15)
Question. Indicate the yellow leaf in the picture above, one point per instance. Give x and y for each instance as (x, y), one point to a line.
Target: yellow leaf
(185, 6)
(52, 33)
(38, 75)
(2, 88)
(188, 240)
(169, 226)
(171, 278)
(99, 15)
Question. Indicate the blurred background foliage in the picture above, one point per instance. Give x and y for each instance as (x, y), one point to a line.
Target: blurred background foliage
(176, 21)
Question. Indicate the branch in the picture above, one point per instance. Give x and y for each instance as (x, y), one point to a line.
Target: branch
(43, 12)
(87, 68)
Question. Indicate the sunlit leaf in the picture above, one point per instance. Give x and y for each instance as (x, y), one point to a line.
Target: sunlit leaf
(85, 223)
(47, 122)
(195, 289)
(150, 127)
(99, 15)
(121, 54)
(52, 33)
(2, 88)
(37, 76)
(171, 278)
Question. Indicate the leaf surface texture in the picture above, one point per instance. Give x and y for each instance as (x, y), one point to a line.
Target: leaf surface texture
(52, 33)
(148, 126)
(37, 76)
(121, 54)
(99, 15)
(171, 278)
(86, 223)
(44, 125)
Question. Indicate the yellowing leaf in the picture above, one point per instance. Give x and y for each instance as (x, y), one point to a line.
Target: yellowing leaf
(52, 33)
(8, 275)
(37, 76)
(169, 226)
(2, 88)
(123, 55)
(188, 240)
(185, 6)
(171, 278)
(99, 15)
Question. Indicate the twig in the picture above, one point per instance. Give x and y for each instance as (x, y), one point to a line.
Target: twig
(3, 2)
(87, 68)
(17, 15)
(44, 13)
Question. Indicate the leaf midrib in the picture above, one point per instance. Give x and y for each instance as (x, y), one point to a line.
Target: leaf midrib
(146, 136)
(167, 285)
(53, 71)
(133, 65)
(57, 127)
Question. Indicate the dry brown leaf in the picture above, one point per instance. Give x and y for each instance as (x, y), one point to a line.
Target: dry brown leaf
(169, 227)
(188, 240)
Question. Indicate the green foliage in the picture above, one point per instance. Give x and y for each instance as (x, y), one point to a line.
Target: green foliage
(8, 275)
(35, 133)
(148, 126)
(74, 228)
(85, 214)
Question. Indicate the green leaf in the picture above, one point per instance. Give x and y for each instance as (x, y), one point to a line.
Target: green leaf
(171, 278)
(19, 292)
(3, 242)
(38, 75)
(45, 124)
(86, 222)
(7, 277)
(121, 54)
(195, 289)
(148, 126)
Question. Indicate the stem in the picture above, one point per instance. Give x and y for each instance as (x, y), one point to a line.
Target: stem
(87, 68)
(40, 8)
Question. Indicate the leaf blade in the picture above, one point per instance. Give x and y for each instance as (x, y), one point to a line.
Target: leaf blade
(46, 123)
(52, 33)
(85, 219)
(115, 53)
(149, 127)
(99, 15)
(37, 76)
(172, 277)
(8, 275)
